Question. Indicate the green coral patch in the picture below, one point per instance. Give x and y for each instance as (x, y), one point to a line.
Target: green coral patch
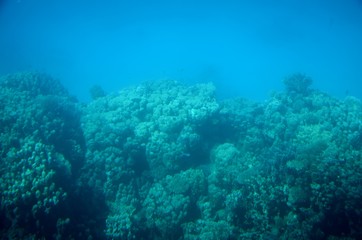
(163, 160)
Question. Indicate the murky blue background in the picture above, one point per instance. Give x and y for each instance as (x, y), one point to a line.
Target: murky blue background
(245, 47)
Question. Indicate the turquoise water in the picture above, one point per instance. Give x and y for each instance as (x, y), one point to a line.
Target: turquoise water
(245, 47)
(183, 120)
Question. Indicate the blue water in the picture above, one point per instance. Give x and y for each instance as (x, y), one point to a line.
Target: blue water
(245, 47)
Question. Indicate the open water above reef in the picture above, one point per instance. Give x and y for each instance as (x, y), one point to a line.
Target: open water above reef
(244, 47)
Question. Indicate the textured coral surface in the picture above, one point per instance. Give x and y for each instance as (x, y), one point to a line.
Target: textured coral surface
(167, 161)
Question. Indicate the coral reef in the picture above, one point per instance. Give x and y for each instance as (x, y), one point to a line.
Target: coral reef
(167, 161)
(42, 151)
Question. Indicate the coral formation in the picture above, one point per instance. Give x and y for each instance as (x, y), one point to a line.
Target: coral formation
(167, 161)
(42, 152)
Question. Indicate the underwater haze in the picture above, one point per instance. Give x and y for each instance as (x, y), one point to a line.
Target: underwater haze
(183, 120)
(245, 48)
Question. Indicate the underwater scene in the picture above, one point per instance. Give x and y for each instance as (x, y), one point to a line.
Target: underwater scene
(163, 160)
(195, 120)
